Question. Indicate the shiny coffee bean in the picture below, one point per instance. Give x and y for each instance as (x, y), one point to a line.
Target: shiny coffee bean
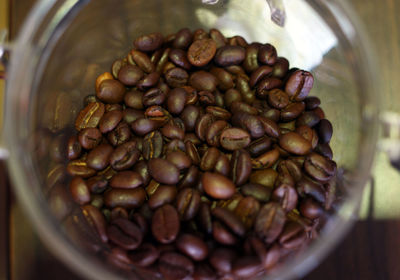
(74, 148)
(154, 96)
(259, 74)
(130, 115)
(266, 160)
(278, 99)
(143, 61)
(319, 167)
(229, 219)
(125, 234)
(183, 39)
(203, 271)
(246, 267)
(129, 75)
(209, 159)
(145, 255)
(299, 85)
(222, 259)
(148, 43)
(109, 121)
(267, 54)
(294, 143)
(265, 177)
(127, 198)
(79, 191)
(310, 209)
(240, 167)
(120, 134)
(201, 52)
(149, 81)
(217, 186)
(267, 84)
(179, 159)
(222, 165)
(285, 194)
(271, 128)
(192, 152)
(269, 222)
(165, 224)
(234, 139)
(116, 66)
(241, 107)
(111, 91)
(230, 55)
(308, 118)
(293, 236)
(102, 77)
(175, 266)
(176, 101)
(202, 125)
(144, 126)
(99, 157)
(242, 84)
(192, 246)
(214, 132)
(225, 79)
(134, 99)
(325, 150)
(187, 203)
(292, 111)
(118, 212)
(171, 131)
(96, 220)
(126, 180)
(312, 102)
(281, 67)
(218, 112)
(163, 195)
(189, 115)
(291, 167)
(176, 77)
(231, 96)
(152, 145)
(89, 138)
(259, 146)
(324, 130)
(250, 62)
(203, 81)
(250, 123)
(80, 168)
(259, 192)
(247, 211)
(218, 37)
(97, 184)
(124, 156)
(163, 171)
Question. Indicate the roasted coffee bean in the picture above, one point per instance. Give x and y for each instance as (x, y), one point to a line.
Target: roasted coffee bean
(218, 37)
(266, 160)
(131, 115)
(209, 159)
(325, 150)
(163, 195)
(125, 234)
(242, 84)
(89, 138)
(111, 91)
(308, 118)
(222, 259)
(246, 267)
(97, 184)
(294, 143)
(324, 129)
(176, 77)
(80, 168)
(281, 67)
(240, 167)
(183, 39)
(117, 65)
(172, 132)
(231, 203)
(222, 165)
(143, 126)
(222, 235)
(259, 192)
(312, 102)
(120, 134)
(99, 157)
(129, 75)
(145, 255)
(285, 194)
(204, 218)
(175, 145)
(291, 167)
(179, 159)
(234, 139)
(259, 74)
(230, 55)
(310, 209)
(230, 220)
(118, 212)
(175, 266)
(101, 78)
(207, 98)
(192, 152)
(269, 222)
(79, 191)
(292, 111)
(163, 171)
(188, 203)
(231, 96)
(293, 236)
(225, 79)
(118, 258)
(179, 58)
(271, 128)
(149, 43)
(272, 114)
(96, 220)
(307, 187)
(265, 177)
(143, 61)
(192, 246)
(309, 134)
(176, 100)
(134, 99)
(154, 96)
(267, 84)
(299, 85)
(149, 81)
(278, 98)
(126, 180)
(241, 107)
(189, 115)
(152, 145)
(319, 167)
(201, 52)
(259, 146)
(218, 112)
(247, 211)
(165, 224)
(109, 121)
(250, 62)
(74, 148)
(214, 132)
(127, 198)
(124, 156)
(203, 81)
(267, 54)
(249, 122)
(217, 186)
(200, 34)
(202, 125)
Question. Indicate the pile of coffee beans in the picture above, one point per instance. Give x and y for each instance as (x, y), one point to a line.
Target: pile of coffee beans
(202, 157)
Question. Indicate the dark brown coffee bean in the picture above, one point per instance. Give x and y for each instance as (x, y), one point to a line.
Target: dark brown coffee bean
(272, 114)
(267, 84)
(281, 67)
(79, 191)
(126, 180)
(294, 143)
(134, 99)
(324, 129)
(234, 139)
(222, 235)
(192, 246)
(293, 236)
(113, 107)
(74, 148)
(149, 43)
(259, 74)
(173, 132)
(118, 212)
(230, 204)
(96, 220)
(188, 203)
(89, 138)
(183, 39)
(125, 234)
(319, 167)
(271, 128)
(176, 100)
(97, 184)
(163, 171)
(127, 198)
(230, 55)
(312, 102)
(250, 62)
(179, 58)
(217, 186)
(242, 84)
(152, 145)
(299, 85)
(230, 220)
(129, 75)
(308, 118)
(118, 258)
(267, 54)
(240, 167)
(203, 271)
(120, 134)
(285, 194)
(310, 209)
(204, 218)
(149, 81)
(247, 211)
(325, 150)
(250, 123)
(291, 167)
(246, 267)
(218, 112)
(116, 66)
(259, 192)
(145, 255)
(99, 157)
(80, 168)
(214, 132)
(163, 195)
(192, 152)
(241, 107)
(109, 121)
(189, 115)
(278, 98)
(231, 96)
(200, 34)
(165, 224)
(203, 81)
(292, 111)
(307, 187)
(265, 177)
(131, 115)
(222, 259)
(270, 221)
(179, 159)
(175, 266)
(154, 96)
(201, 52)
(225, 79)
(266, 160)
(111, 91)
(218, 37)
(202, 125)
(176, 77)
(143, 126)
(143, 61)
(102, 77)
(209, 159)
(259, 146)
(124, 156)
(222, 165)
(175, 145)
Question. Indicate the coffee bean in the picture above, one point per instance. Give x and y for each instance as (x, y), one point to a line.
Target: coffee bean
(127, 198)
(203, 81)
(299, 85)
(242, 84)
(259, 74)
(96, 220)
(176, 100)
(246, 267)
(222, 259)
(292, 111)
(259, 146)
(241, 167)
(230, 220)
(97, 184)
(79, 191)
(218, 37)
(111, 91)
(74, 148)
(319, 167)
(163, 171)
(312, 102)
(99, 157)
(217, 186)
(145, 255)
(183, 39)
(214, 132)
(285, 193)
(325, 150)
(202, 125)
(324, 129)
(129, 75)
(267, 54)
(265, 177)
(269, 222)
(308, 118)
(294, 143)
(120, 134)
(222, 235)
(225, 79)
(143, 126)
(176, 77)
(126, 180)
(291, 167)
(250, 123)
(259, 192)
(310, 209)
(187, 203)
(172, 132)
(234, 139)
(163, 195)
(266, 160)
(89, 138)
(124, 156)
(175, 266)
(150, 81)
(192, 246)
(271, 128)
(165, 224)
(293, 236)
(90, 116)
(152, 145)
(174, 145)
(201, 52)
(189, 115)
(125, 234)
(149, 43)
(230, 55)
(109, 121)
(179, 159)
(143, 61)
(222, 165)
(130, 115)
(267, 84)
(231, 96)
(250, 62)
(80, 168)
(209, 159)
(101, 78)
(278, 98)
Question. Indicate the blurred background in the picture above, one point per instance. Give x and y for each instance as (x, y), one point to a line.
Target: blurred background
(370, 251)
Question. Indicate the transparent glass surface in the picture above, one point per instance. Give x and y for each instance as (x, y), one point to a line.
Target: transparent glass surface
(65, 45)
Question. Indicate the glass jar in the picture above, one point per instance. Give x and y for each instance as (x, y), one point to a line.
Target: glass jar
(64, 45)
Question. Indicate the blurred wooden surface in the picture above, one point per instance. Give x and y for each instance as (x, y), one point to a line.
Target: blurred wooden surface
(369, 252)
